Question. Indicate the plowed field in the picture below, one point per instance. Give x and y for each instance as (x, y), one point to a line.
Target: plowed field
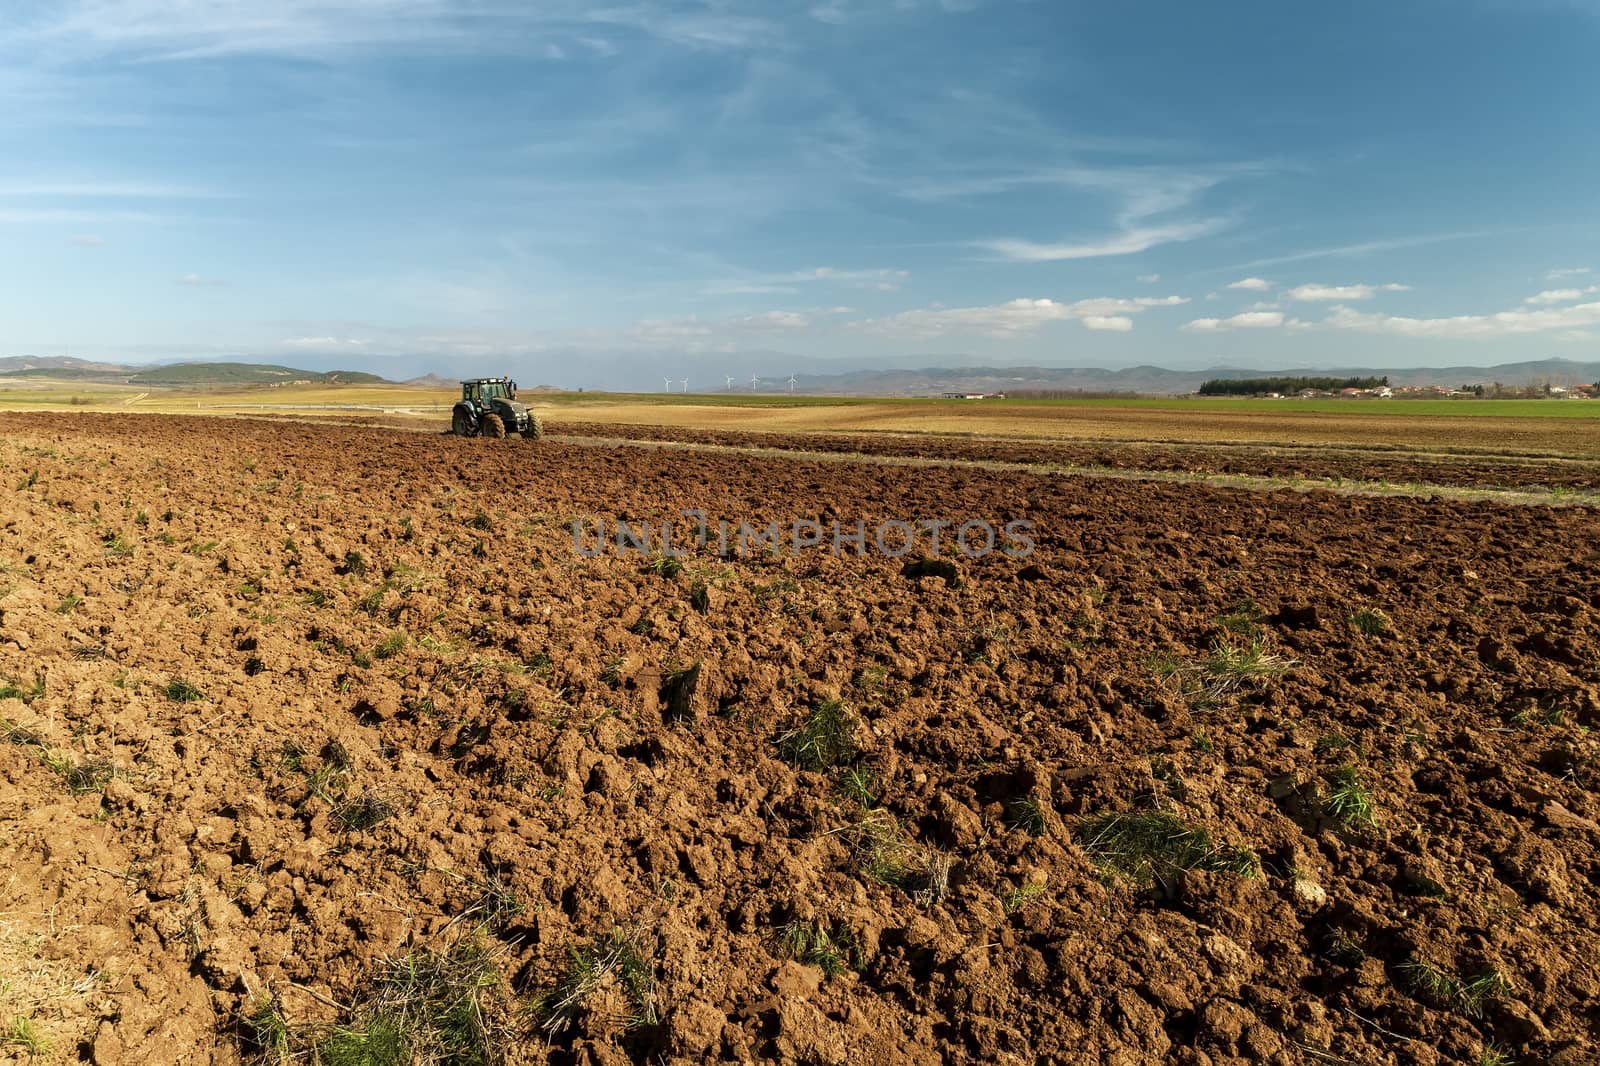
(327, 744)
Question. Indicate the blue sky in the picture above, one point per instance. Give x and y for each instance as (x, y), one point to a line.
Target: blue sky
(533, 183)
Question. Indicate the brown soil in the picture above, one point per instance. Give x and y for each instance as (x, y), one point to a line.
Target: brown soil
(1462, 465)
(175, 854)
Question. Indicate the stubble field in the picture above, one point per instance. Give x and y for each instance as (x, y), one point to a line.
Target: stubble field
(323, 743)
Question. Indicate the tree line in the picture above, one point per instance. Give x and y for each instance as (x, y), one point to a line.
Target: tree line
(1260, 386)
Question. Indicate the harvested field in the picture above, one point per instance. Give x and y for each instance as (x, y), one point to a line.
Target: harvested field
(322, 742)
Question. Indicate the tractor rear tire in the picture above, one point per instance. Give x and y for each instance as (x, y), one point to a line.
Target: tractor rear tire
(535, 430)
(461, 425)
(494, 426)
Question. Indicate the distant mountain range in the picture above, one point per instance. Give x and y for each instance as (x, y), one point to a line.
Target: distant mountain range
(1159, 381)
(815, 376)
(67, 368)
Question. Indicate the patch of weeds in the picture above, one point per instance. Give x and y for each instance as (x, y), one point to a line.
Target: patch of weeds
(68, 603)
(265, 1033)
(390, 646)
(1349, 801)
(249, 591)
(1152, 848)
(89, 776)
(354, 563)
(363, 811)
(426, 1007)
(664, 566)
(1227, 669)
(1343, 949)
(1025, 814)
(1243, 619)
(1017, 898)
(643, 626)
(202, 548)
(1163, 770)
(831, 946)
(1202, 741)
(700, 597)
(612, 673)
(1495, 1055)
(179, 690)
(1370, 623)
(824, 740)
(497, 904)
(28, 482)
(315, 598)
(481, 522)
(779, 589)
(856, 784)
(1333, 742)
(117, 546)
(10, 690)
(1445, 989)
(884, 853)
(24, 1032)
(541, 665)
(616, 958)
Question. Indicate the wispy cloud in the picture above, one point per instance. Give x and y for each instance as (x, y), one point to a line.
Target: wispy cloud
(882, 279)
(1128, 242)
(1337, 293)
(1252, 284)
(1246, 320)
(1469, 327)
(1568, 272)
(198, 280)
(157, 30)
(1149, 279)
(1018, 317)
(1142, 195)
(1561, 296)
(1353, 250)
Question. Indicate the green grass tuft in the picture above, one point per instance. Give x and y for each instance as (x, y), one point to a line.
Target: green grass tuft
(180, 691)
(824, 740)
(828, 945)
(615, 958)
(1349, 801)
(1153, 847)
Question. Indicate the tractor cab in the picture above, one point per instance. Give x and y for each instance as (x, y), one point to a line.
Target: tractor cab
(483, 391)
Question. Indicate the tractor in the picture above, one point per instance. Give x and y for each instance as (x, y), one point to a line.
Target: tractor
(488, 408)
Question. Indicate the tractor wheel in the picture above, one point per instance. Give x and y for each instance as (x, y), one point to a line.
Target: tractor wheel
(535, 430)
(460, 424)
(494, 426)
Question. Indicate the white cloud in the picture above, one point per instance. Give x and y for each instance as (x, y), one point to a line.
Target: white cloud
(1469, 327)
(882, 279)
(1568, 272)
(1128, 242)
(1395, 286)
(1020, 316)
(1252, 284)
(163, 31)
(197, 279)
(1561, 296)
(1312, 293)
(1246, 320)
(1149, 279)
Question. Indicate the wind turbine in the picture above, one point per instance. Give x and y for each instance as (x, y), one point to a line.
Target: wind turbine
(754, 381)
(669, 383)
(685, 383)
(791, 384)
(729, 384)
